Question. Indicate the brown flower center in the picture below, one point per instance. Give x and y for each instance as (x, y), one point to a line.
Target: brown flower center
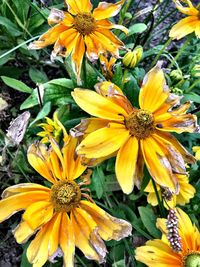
(192, 259)
(84, 23)
(65, 195)
(140, 123)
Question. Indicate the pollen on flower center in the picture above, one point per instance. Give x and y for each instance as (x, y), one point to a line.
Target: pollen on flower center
(140, 123)
(84, 23)
(192, 259)
(65, 195)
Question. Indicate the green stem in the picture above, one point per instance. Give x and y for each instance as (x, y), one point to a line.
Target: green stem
(18, 46)
(180, 51)
(130, 251)
(161, 51)
(162, 213)
(79, 259)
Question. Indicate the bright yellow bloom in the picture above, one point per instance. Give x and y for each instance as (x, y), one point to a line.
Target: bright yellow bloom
(137, 135)
(196, 149)
(158, 253)
(81, 30)
(64, 216)
(187, 25)
(186, 192)
(52, 128)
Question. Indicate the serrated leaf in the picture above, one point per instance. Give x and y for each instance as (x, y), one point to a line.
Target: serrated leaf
(149, 220)
(17, 85)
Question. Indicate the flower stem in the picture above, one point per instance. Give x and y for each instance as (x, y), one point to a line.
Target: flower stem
(161, 51)
(162, 213)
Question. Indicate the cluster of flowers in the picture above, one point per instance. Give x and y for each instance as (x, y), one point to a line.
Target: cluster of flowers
(63, 214)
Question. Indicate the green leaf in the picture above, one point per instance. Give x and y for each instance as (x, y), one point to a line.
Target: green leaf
(43, 113)
(98, 179)
(192, 97)
(15, 84)
(117, 77)
(137, 28)
(31, 101)
(11, 27)
(149, 220)
(24, 260)
(38, 76)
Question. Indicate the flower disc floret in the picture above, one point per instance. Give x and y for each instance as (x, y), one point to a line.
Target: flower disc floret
(140, 123)
(192, 260)
(65, 195)
(84, 23)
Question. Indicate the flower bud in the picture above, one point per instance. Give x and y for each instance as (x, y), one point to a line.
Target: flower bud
(131, 58)
(176, 75)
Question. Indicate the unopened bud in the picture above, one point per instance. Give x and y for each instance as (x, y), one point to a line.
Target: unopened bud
(131, 58)
(176, 75)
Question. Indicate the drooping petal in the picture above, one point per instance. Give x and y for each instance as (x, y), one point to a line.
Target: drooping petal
(126, 164)
(187, 191)
(49, 37)
(67, 242)
(174, 142)
(38, 213)
(54, 237)
(86, 235)
(197, 30)
(93, 48)
(68, 39)
(190, 10)
(108, 227)
(107, 10)
(184, 27)
(104, 141)
(15, 203)
(77, 56)
(97, 105)
(106, 24)
(157, 254)
(37, 157)
(154, 90)
(158, 164)
(76, 7)
(22, 232)
(39, 248)
(23, 188)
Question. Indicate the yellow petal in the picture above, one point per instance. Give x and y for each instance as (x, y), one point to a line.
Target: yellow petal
(76, 7)
(68, 40)
(126, 164)
(158, 164)
(191, 10)
(22, 188)
(154, 90)
(15, 203)
(157, 254)
(67, 242)
(103, 142)
(49, 37)
(187, 191)
(22, 232)
(184, 27)
(97, 105)
(106, 24)
(107, 10)
(85, 229)
(37, 157)
(108, 227)
(77, 56)
(94, 49)
(54, 237)
(38, 213)
(38, 250)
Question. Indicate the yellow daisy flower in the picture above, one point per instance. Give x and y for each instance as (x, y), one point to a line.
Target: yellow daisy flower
(187, 25)
(196, 149)
(63, 216)
(159, 253)
(52, 128)
(137, 135)
(81, 30)
(186, 192)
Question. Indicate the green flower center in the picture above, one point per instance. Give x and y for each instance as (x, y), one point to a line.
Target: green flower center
(140, 123)
(192, 260)
(84, 23)
(65, 195)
